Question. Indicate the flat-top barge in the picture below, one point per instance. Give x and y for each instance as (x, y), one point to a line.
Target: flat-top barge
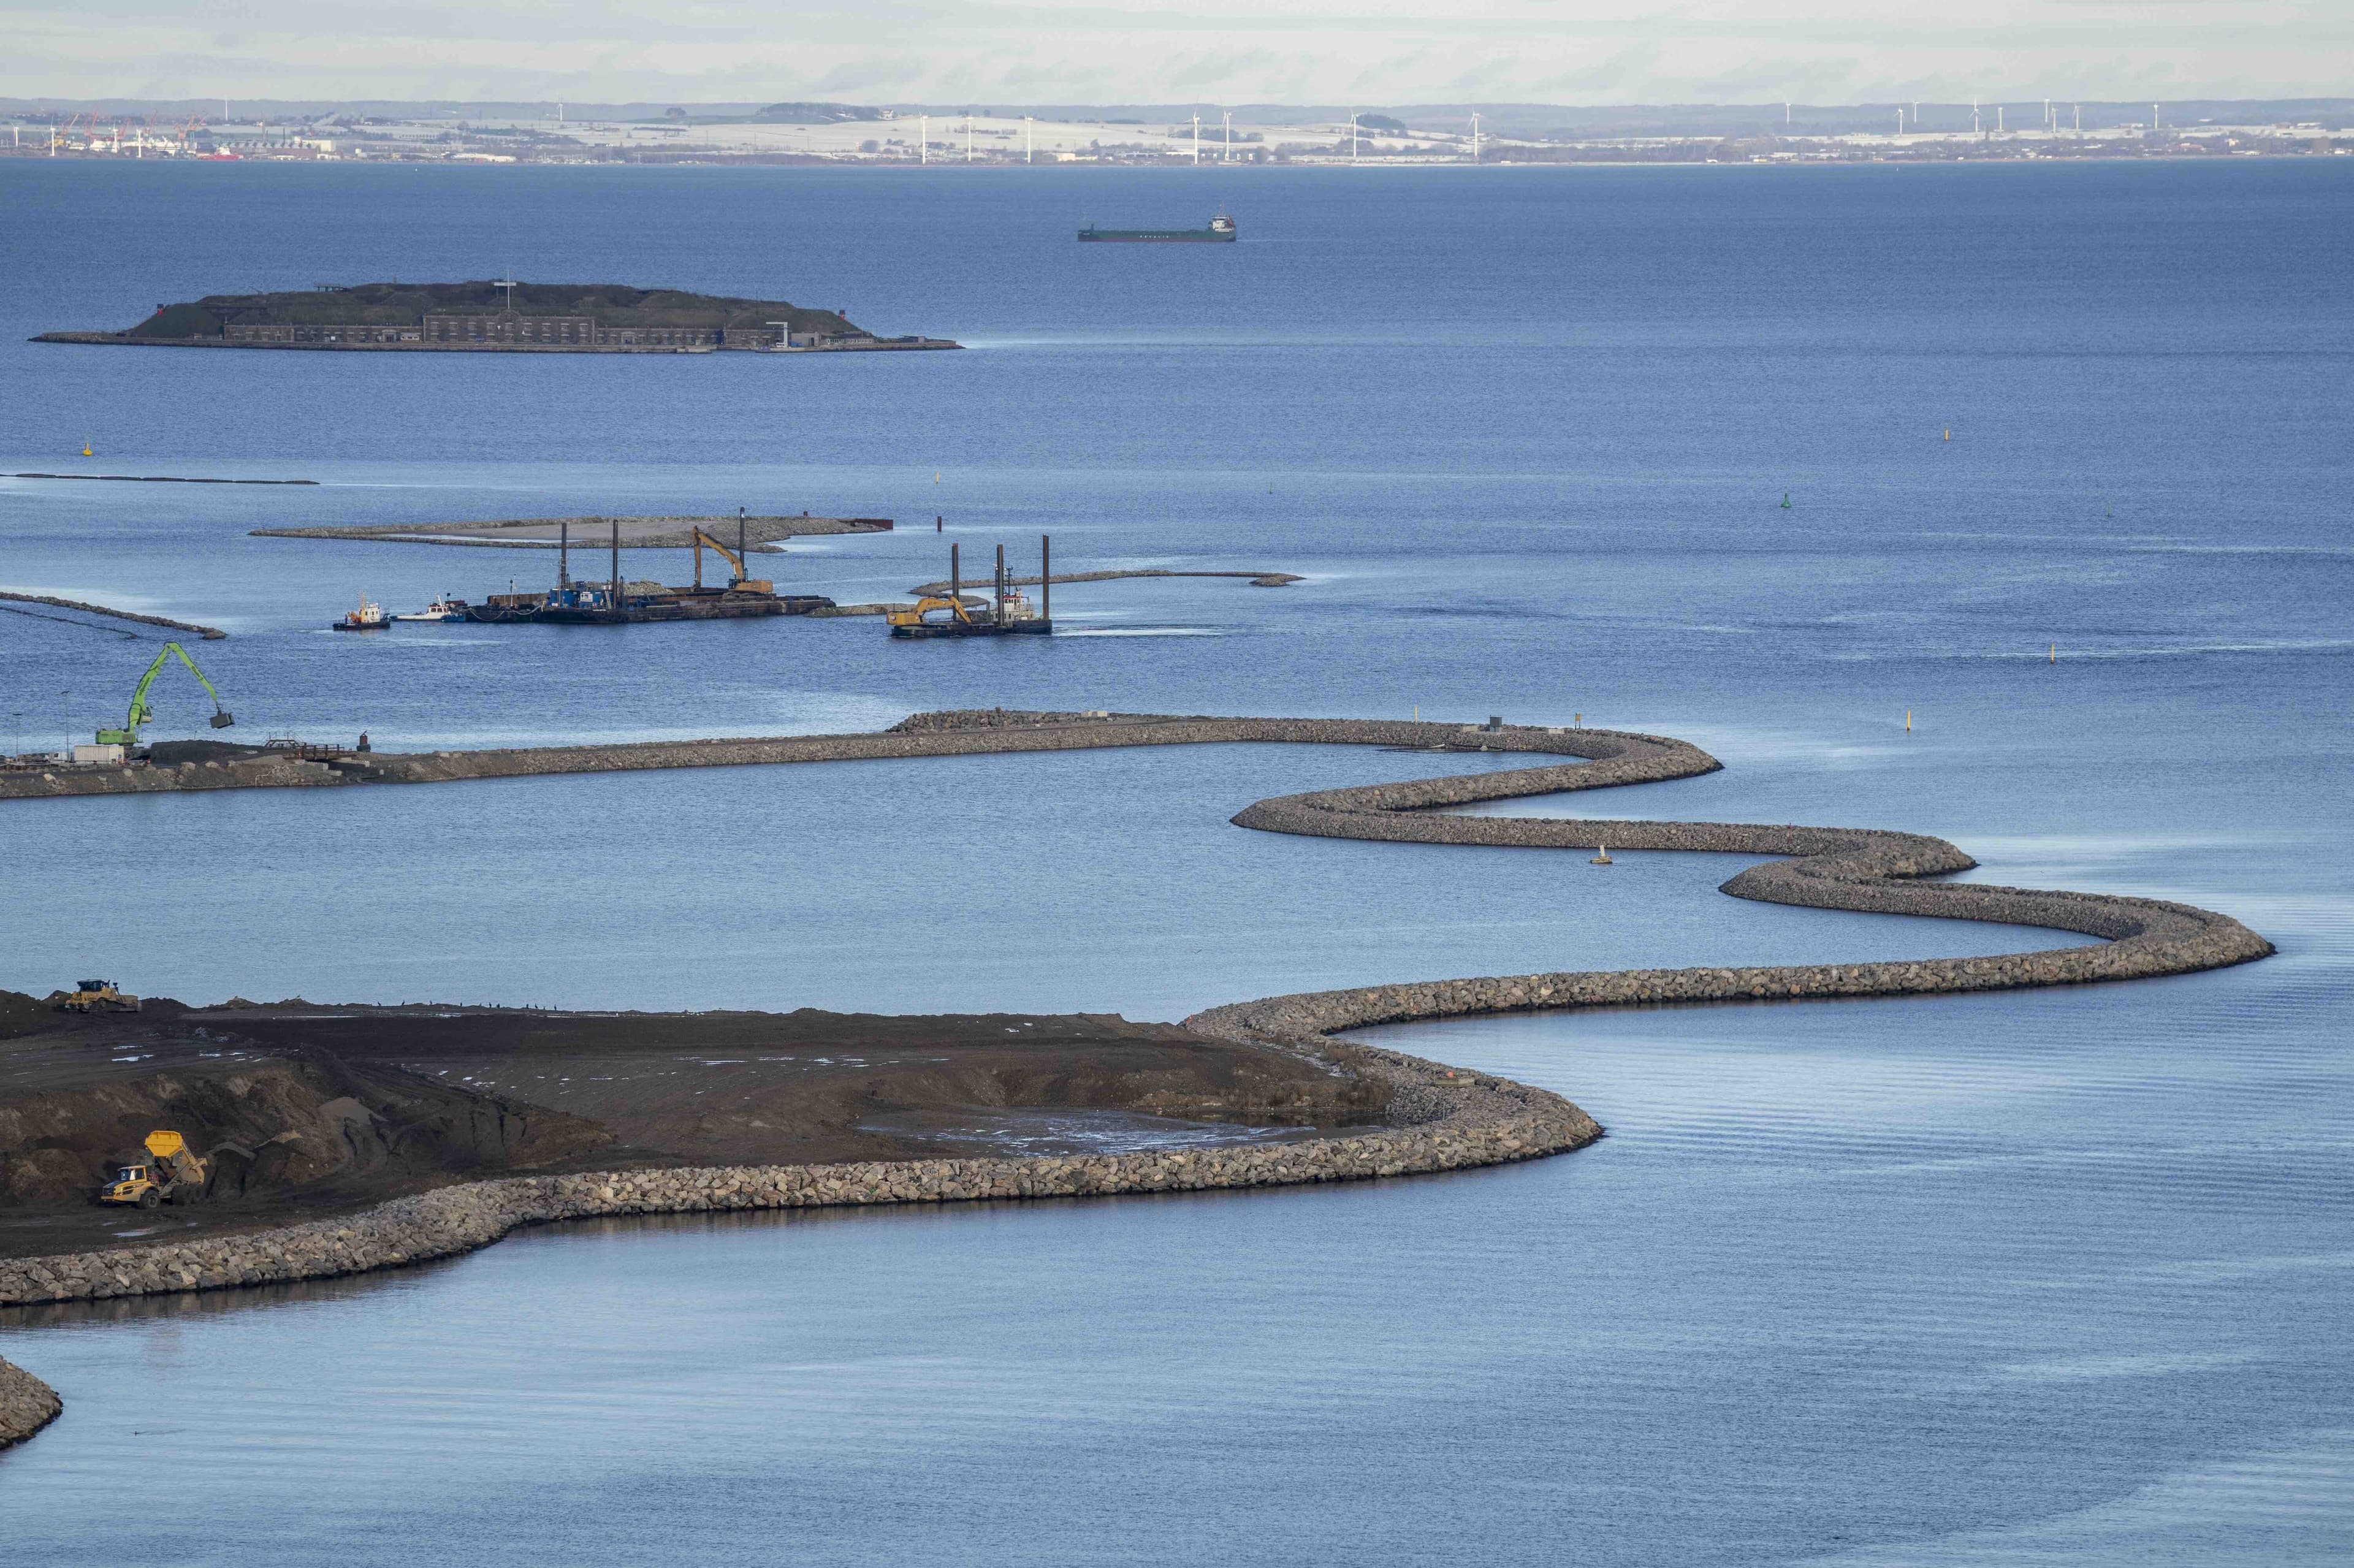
(617, 601)
(1007, 614)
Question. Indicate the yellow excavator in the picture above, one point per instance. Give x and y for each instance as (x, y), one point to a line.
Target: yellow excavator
(169, 1173)
(739, 581)
(912, 616)
(97, 996)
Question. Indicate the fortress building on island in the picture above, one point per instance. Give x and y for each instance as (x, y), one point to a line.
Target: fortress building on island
(499, 315)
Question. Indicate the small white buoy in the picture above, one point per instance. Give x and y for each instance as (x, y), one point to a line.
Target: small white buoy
(1603, 858)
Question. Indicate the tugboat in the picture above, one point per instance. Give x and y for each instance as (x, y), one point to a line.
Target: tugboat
(368, 617)
(442, 608)
(1221, 231)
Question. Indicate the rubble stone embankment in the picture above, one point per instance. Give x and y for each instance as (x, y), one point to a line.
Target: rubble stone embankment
(26, 1404)
(1439, 1120)
(1442, 1120)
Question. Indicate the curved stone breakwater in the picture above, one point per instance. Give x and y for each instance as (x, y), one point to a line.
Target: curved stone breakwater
(1441, 1119)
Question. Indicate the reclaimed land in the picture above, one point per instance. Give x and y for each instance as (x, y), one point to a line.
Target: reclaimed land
(589, 533)
(1432, 1118)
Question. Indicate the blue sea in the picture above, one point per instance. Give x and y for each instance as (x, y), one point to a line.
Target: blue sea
(2004, 503)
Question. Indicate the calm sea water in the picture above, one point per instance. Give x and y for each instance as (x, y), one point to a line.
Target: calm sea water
(1996, 1280)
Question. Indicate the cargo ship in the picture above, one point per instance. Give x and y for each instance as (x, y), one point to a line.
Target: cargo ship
(1221, 229)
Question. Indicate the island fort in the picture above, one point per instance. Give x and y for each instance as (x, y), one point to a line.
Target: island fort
(500, 315)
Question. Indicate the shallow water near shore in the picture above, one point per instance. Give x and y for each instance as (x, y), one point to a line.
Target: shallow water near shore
(1996, 1279)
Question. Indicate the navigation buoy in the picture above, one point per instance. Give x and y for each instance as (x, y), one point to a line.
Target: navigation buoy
(2055, 653)
(1604, 858)
(1786, 501)
(1908, 721)
(85, 447)
(1949, 432)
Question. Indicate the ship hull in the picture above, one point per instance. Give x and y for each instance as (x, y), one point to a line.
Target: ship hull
(1155, 237)
(1033, 628)
(688, 606)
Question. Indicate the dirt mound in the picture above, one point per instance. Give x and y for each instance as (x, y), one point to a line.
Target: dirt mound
(303, 1110)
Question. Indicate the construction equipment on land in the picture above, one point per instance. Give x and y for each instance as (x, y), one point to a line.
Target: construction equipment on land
(169, 1173)
(98, 996)
(142, 714)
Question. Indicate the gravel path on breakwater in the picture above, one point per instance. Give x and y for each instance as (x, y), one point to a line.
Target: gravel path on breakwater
(1441, 1119)
(209, 632)
(1265, 578)
(766, 533)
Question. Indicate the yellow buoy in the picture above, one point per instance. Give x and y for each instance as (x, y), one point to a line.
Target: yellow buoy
(85, 447)
(1949, 432)
(2055, 653)
(1908, 721)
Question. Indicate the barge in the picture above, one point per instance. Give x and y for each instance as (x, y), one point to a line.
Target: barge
(619, 603)
(1008, 613)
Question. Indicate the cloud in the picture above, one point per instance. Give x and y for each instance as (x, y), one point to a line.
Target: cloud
(1392, 51)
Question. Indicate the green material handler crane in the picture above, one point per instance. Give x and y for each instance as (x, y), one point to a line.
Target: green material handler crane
(141, 713)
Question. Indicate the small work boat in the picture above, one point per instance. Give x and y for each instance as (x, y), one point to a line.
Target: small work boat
(442, 608)
(368, 617)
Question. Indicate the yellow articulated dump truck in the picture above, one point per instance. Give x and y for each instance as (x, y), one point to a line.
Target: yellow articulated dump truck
(167, 1171)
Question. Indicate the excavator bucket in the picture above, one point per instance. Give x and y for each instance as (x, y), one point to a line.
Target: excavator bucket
(221, 720)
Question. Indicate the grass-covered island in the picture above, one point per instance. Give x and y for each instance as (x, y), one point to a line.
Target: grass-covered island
(502, 317)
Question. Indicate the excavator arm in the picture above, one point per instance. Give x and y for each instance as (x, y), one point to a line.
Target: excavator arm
(142, 714)
(732, 558)
(912, 614)
(742, 578)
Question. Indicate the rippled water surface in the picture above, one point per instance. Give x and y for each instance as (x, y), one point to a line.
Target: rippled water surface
(1996, 1280)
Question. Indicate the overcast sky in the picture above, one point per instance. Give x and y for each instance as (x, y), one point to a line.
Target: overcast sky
(1232, 51)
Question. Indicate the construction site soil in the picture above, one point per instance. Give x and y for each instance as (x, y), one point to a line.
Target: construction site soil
(307, 1111)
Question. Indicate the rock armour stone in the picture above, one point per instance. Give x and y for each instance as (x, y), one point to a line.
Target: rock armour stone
(26, 1404)
(1442, 1119)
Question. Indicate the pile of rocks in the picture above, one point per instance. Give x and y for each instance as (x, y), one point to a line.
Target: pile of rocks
(26, 1404)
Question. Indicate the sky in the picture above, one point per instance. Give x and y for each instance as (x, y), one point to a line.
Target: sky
(1368, 52)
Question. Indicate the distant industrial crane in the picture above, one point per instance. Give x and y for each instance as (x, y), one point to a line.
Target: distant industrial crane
(142, 714)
